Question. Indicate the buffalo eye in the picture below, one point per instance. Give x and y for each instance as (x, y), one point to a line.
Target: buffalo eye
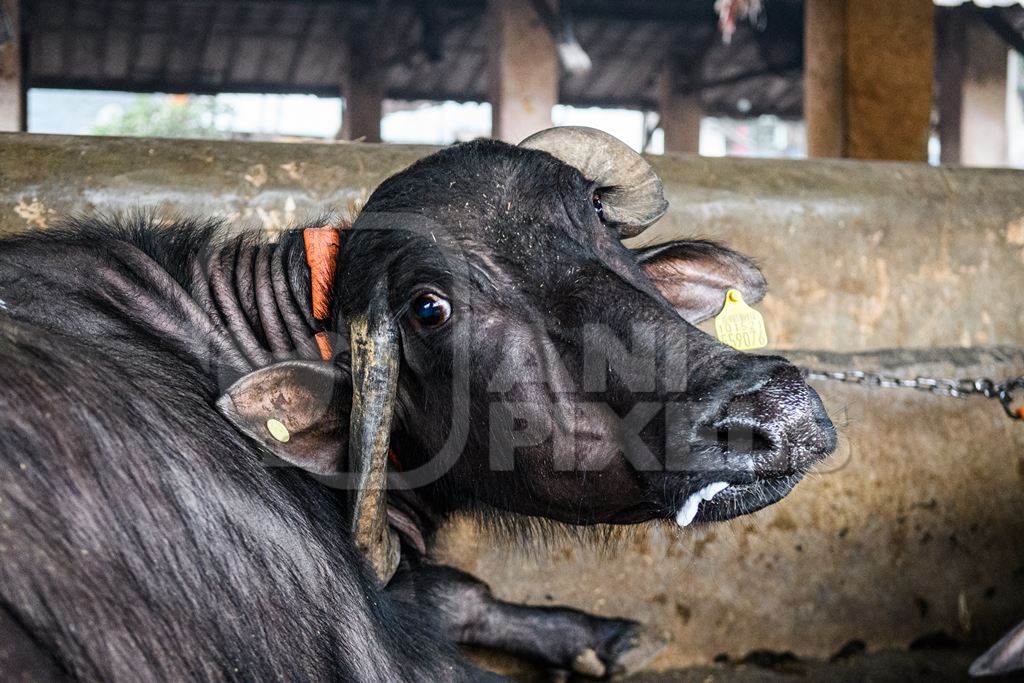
(598, 206)
(430, 310)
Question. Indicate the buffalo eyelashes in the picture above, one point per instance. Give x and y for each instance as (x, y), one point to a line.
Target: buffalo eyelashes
(429, 310)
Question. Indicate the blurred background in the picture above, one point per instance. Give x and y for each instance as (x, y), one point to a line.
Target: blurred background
(776, 78)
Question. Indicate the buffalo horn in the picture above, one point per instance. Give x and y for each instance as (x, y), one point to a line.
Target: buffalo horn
(632, 196)
(374, 342)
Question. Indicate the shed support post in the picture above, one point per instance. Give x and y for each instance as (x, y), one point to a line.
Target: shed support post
(680, 113)
(950, 63)
(12, 85)
(363, 90)
(984, 136)
(974, 92)
(868, 78)
(524, 70)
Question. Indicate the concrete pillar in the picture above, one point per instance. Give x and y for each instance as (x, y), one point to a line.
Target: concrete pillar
(824, 77)
(974, 92)
(984, 139)
(868, 78)
(363, 89)
(523, 69)
(950, 61)
(680, 112)
(12, 88)
(1014, 111)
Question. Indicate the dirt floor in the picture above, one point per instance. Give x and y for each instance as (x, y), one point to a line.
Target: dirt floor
(880, 667)
(851, 665)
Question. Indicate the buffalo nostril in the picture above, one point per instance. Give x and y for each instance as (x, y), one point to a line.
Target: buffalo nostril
(794, 409)
(740, 438)
(767, 416)
(737, 438)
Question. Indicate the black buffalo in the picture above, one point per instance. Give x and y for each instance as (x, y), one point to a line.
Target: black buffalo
(484, 318)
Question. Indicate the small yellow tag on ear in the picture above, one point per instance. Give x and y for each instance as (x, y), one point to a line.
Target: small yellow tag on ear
(278, 430)
(739, 325)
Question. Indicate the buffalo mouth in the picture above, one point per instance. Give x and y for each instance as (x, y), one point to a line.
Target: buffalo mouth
(721, 500)
(761, 472)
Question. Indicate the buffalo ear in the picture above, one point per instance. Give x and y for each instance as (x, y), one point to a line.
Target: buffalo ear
(298, 410)
(694, 276)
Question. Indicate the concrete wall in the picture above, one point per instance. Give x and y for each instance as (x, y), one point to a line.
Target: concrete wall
(864, 255)
(44, 177)
(914, 527)
(858, 255)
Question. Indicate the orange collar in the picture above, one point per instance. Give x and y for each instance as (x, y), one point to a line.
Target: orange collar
(322, 246)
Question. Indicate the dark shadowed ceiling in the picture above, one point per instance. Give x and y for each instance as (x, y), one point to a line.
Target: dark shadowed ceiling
(434, 50)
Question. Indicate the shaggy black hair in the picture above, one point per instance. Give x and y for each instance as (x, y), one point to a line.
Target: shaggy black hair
(141, 535)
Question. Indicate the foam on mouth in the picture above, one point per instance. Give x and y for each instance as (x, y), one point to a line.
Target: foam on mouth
(692, 504)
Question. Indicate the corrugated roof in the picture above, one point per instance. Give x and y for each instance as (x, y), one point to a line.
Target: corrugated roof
(435, 50)
(296, 46)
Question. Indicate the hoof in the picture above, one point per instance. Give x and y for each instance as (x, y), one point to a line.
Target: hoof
(623, 648)
(639, 651)
(587, 663)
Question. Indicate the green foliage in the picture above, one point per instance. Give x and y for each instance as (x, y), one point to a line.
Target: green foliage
(167, 117)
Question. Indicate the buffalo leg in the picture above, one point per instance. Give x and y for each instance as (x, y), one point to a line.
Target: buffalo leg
(557, 637)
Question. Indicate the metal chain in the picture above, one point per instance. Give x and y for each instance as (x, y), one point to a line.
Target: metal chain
(954, 388)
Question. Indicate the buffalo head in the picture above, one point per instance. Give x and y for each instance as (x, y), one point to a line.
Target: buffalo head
(520, 357)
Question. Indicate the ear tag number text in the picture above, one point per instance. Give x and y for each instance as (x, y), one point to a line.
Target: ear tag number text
(739, 325)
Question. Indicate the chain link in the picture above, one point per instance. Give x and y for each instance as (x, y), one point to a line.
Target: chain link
(954, 388)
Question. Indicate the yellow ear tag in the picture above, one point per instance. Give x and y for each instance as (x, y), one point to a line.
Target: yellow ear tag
(739, 325)
(278, 430)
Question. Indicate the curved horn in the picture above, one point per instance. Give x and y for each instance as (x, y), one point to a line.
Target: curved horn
(632, 195)
(374, 341)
